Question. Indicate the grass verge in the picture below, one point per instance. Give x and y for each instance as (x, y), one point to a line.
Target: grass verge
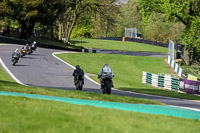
(127, 69)
(20, 114)
(7, 84)
(102, 44)
(117, 45)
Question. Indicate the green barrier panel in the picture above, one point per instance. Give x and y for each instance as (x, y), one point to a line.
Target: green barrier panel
(175, 79)
(150, 109)
(170, 61)
(178, 70)
(174, 65)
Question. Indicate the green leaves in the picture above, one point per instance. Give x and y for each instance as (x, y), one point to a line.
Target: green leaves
(186, 11)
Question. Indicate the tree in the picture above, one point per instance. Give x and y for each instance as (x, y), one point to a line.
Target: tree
(28, 12)
(186, 11)
(129, 17)
(104, 21)
(78, 10)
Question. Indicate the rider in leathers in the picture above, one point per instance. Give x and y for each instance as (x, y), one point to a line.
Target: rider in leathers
(104, 71)
(15, 53)
(75, 73)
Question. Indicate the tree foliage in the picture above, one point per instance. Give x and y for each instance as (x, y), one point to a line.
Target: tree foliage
(186, 11)
(79, 14)
(28, 12)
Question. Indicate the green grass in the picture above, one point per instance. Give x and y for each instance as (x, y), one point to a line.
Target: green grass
(102, 44)
(127, 69)
(22, 115)
(7, 84)
(117, 45)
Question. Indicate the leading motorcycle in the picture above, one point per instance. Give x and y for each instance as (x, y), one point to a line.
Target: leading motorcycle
(15, 59)
(106, 84)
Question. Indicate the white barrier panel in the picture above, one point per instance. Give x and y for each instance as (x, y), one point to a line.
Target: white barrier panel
(164, 82)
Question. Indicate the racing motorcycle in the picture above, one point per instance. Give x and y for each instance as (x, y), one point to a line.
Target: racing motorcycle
(28, 49)
(79, 82)
(22, 52)
(33, 47)
(107, 84)
(15, 59)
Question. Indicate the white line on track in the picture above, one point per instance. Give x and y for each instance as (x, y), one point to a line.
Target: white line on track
(9, 72)
(71, 65)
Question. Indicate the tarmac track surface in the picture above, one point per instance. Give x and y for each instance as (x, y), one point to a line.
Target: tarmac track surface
(41, 69)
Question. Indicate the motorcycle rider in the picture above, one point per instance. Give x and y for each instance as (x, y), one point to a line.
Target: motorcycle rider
(106, 70)
(78, 72)
(27, 47)
(15, 54)
(33, 44)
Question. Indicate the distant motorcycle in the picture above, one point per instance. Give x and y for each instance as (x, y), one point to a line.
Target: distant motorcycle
(15, 59)
(22, 52)
(106, 84)
(28, 49)
(33, 47)
(79, 83)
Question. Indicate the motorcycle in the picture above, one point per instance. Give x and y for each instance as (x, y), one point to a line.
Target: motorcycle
(28, 49)
(23, 52)
(33, 47)
(79, 83)
(107, 84)
(15, 59)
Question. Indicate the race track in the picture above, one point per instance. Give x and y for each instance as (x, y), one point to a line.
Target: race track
(42, 69)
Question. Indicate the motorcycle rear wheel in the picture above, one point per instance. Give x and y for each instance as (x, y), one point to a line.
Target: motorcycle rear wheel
(79, 85)
(108, 88)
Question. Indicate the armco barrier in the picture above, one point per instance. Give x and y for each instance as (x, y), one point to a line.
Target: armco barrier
(159, 81)
(179, 70)
(90, 51)
(138, 40)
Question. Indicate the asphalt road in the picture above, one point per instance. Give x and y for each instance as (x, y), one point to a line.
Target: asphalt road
(42, 69)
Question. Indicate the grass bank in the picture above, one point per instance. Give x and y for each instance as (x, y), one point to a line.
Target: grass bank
(102, 44)
(7, 84)
(127, 69)
(117, 45)
(20, 114)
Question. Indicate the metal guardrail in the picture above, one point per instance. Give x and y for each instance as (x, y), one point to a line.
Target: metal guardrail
(154, 43)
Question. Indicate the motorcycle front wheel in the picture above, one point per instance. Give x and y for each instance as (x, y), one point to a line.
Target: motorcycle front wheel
(14, 62)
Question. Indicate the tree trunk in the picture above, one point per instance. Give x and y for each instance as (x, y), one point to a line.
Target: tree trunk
(51, 36)
(187, 57)
(23, 34)
(70, 28)
(30, 29)
(60, 31)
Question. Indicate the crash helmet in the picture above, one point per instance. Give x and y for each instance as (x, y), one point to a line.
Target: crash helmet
(16, 50)
(77, 67)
